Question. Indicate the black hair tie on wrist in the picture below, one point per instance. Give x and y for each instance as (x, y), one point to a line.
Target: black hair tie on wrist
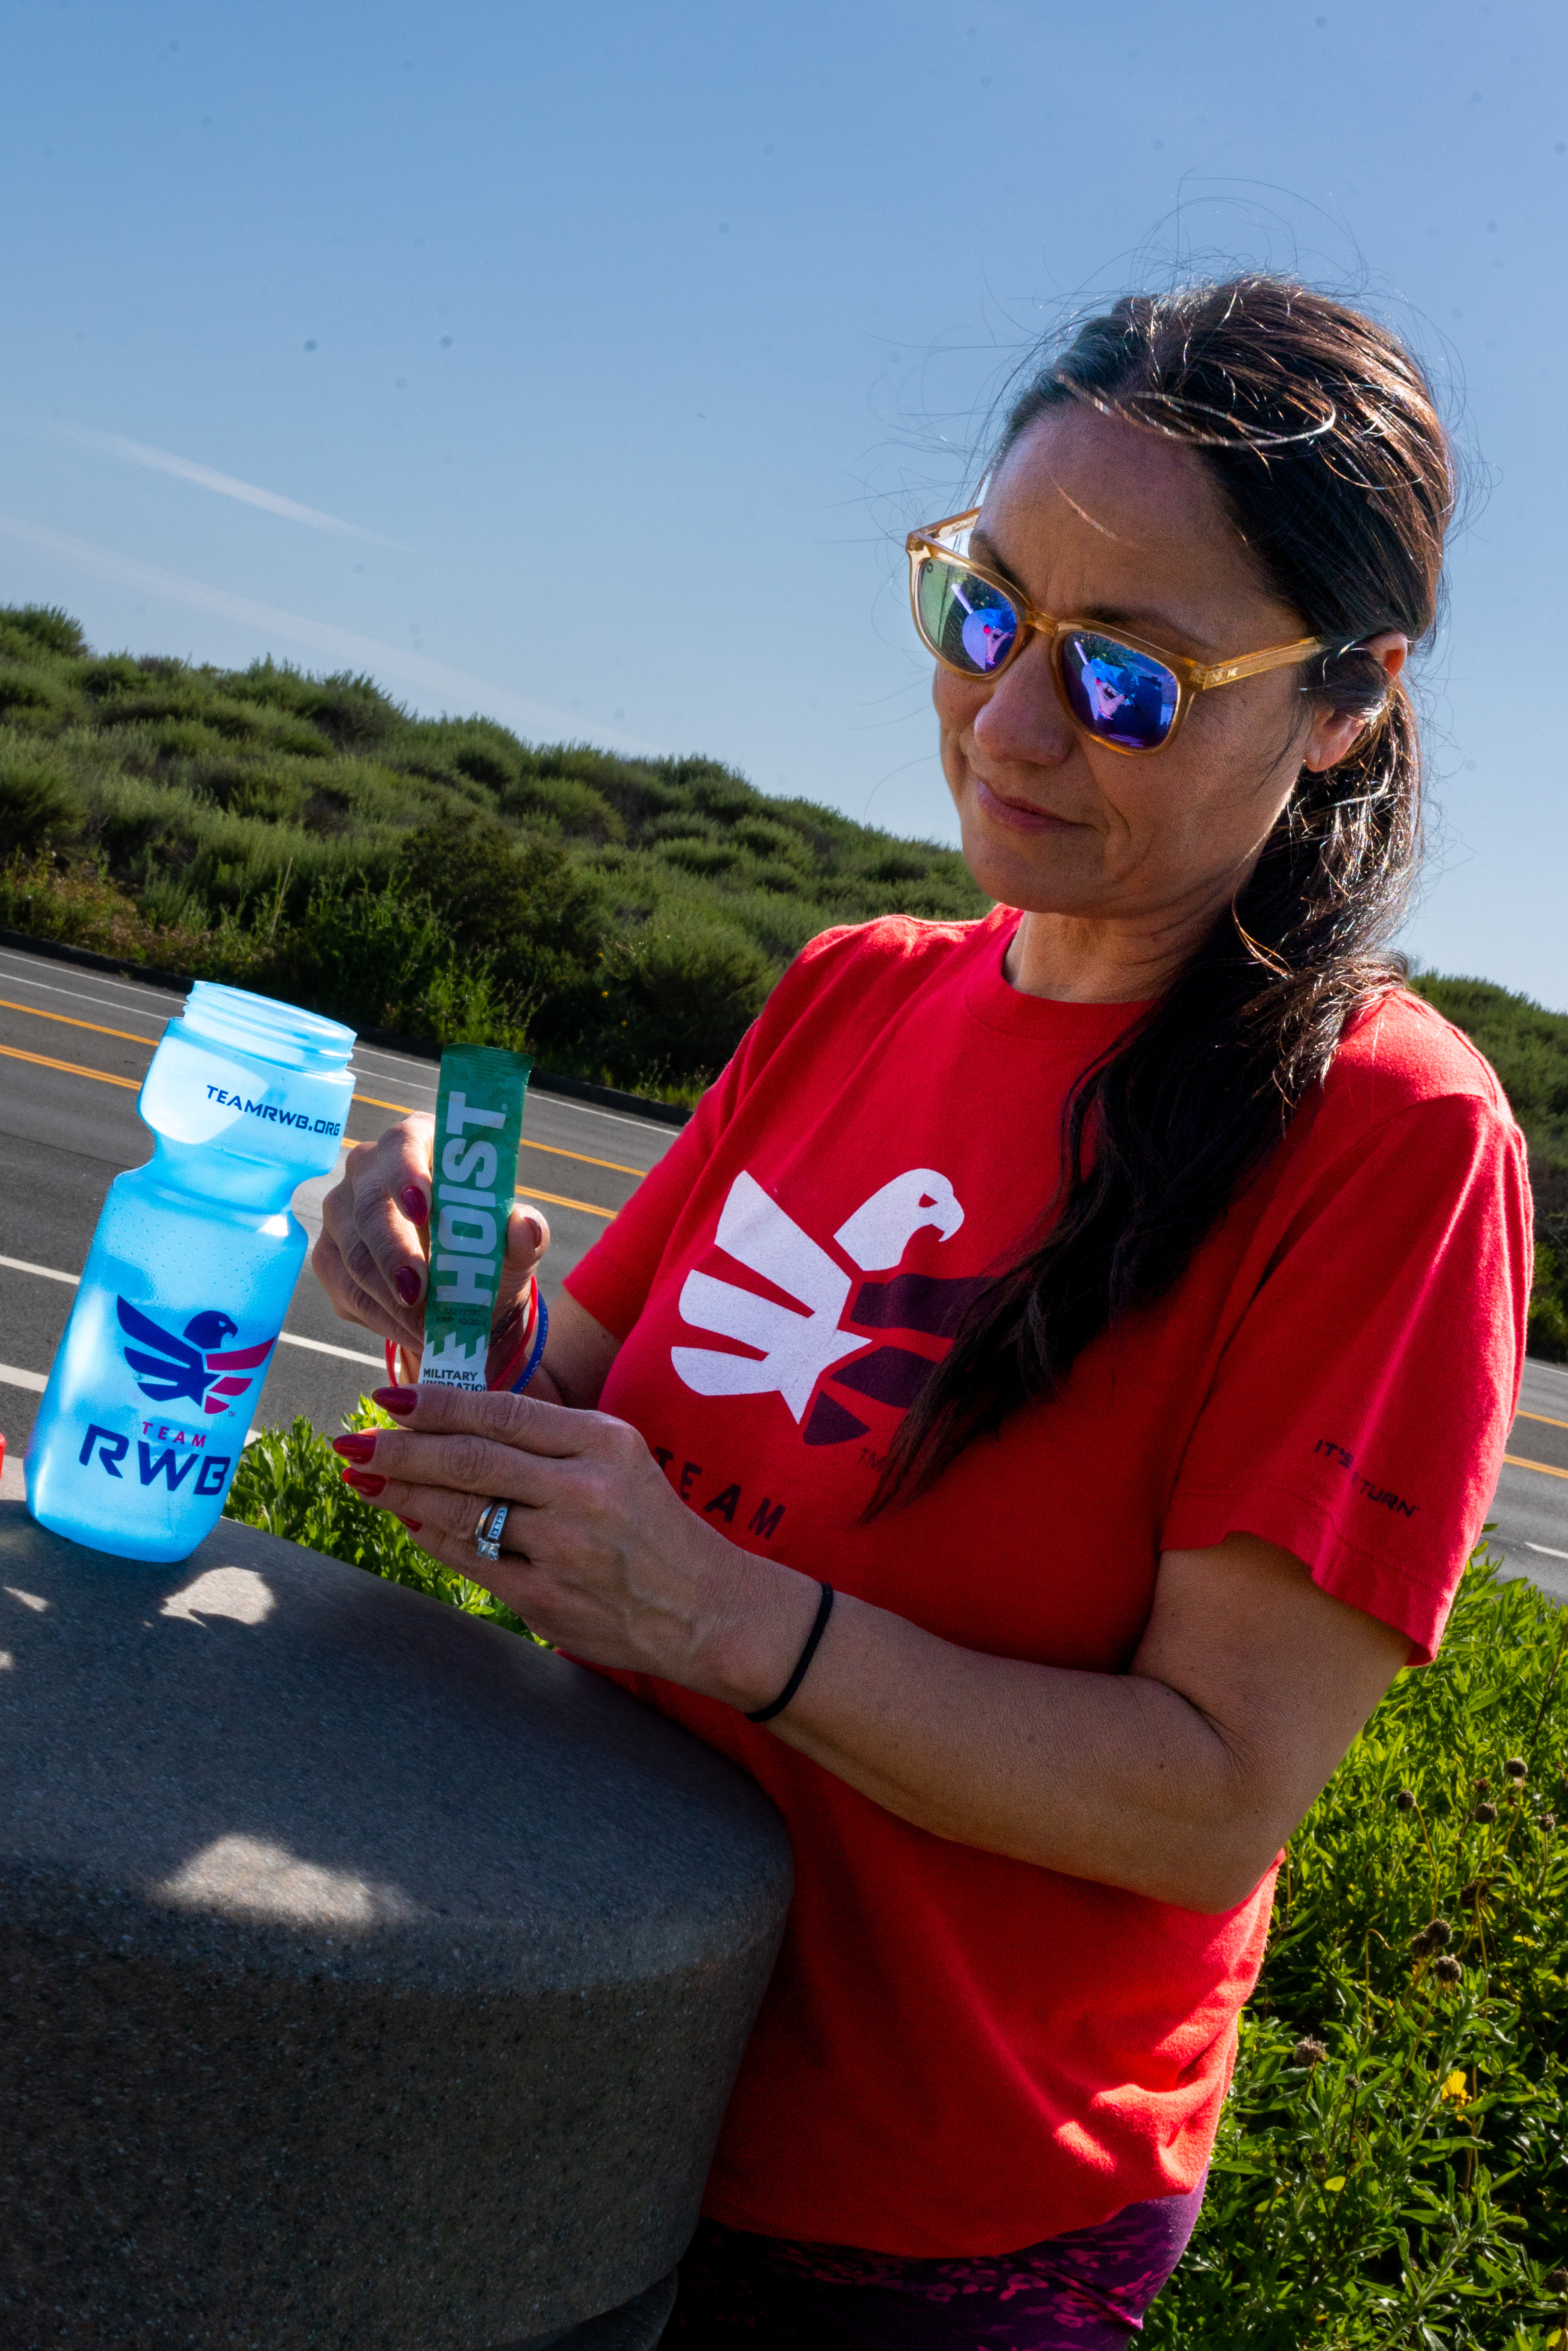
(824, 1610)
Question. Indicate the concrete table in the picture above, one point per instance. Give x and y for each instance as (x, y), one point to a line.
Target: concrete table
(368, 1976)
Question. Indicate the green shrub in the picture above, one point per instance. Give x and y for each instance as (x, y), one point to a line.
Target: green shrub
(1548, 1306)
(37, 806)
(687, 992)
(289, 1481)
(385, 961)
(35, 698)
(520, 900)
(46, 626)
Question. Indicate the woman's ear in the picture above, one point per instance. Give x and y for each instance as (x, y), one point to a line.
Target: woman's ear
(1335, 732)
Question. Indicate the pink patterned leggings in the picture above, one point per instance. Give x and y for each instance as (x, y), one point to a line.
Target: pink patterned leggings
(1087, 2291)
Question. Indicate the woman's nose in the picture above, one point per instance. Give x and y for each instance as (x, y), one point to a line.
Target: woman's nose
(1021, 718)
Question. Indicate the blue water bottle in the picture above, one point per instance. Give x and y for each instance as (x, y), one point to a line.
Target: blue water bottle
(189, 1277)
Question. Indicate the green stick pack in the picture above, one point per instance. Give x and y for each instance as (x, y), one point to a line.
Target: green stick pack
(478, 1127)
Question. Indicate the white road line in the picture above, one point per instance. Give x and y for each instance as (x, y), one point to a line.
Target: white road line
(160, 1002)
(396, 1067)
(12, 1376)
(45, 1273)
(322, 1347)
(285, 1338)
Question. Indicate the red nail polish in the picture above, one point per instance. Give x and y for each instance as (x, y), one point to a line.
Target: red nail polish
(362, 1482)
(414, 1525)
(416, 1207)
(400, 1401)
(405, 1281)
(355, 1446)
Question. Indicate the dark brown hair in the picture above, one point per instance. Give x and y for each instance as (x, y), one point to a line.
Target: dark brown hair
(1321, 431)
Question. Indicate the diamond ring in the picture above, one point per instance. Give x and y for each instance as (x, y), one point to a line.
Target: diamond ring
(487, 1533)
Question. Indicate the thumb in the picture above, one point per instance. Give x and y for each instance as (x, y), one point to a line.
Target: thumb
(528, 1239)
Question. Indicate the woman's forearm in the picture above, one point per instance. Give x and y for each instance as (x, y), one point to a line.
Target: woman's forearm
(1179, 1779)
(1108, 1776)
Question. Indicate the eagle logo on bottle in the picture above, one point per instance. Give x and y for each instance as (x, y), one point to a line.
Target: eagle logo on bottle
(193, 1366)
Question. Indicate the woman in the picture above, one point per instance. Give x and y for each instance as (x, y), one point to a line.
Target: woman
(1117, 1302)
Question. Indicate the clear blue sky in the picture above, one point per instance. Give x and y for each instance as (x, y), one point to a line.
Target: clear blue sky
(630, 338)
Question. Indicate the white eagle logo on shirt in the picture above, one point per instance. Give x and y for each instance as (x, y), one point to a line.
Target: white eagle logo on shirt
(796, 1349)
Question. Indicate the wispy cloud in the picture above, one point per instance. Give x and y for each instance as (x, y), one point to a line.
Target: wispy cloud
(458, 689)
(227, 486)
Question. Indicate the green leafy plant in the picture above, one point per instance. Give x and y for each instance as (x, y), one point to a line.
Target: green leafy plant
(290, 1482)
(37, 806)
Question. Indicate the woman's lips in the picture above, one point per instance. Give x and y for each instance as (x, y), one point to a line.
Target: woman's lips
(1019, 815)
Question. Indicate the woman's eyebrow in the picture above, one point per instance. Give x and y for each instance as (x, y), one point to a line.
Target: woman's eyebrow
(1158, 627)
(981, 541)
(1143, 622)
(1155, 626)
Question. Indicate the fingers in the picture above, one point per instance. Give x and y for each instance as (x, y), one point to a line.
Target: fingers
(353, 1303)
(389, 1183)
(439, 1513)
(528, 1237)
(498, 1422)
(370, 1258)
(452, 1454)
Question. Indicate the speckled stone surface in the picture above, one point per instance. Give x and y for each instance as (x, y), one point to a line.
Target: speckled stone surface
(368, 1977)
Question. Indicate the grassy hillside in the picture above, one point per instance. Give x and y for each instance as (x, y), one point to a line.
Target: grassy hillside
(624, 918)
(306, 836)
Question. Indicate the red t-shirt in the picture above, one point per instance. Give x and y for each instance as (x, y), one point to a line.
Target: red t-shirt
(962, 2054)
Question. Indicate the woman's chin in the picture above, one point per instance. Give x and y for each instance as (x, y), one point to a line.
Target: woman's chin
(1042, 871)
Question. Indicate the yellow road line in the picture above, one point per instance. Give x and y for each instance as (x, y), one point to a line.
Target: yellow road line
(558, 1200)
(1543, 1417)
(554, 1149)
(15, 1053)
(557, 1151)
(96, 1026)
(1517, 1461)
(73, 1069)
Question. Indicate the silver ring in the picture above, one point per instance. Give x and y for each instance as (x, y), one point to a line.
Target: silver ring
(487, 1533)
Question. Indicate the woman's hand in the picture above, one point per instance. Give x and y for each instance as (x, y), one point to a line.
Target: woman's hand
(599, 1554)
(371, 1257)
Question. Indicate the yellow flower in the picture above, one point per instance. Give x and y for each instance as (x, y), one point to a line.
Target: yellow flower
(1454, 2087)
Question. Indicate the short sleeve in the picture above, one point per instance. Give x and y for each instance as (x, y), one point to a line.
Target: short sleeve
(1359, 1411)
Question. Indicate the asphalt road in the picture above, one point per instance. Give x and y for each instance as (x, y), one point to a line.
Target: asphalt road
(74, 1046)
(1531, 1506)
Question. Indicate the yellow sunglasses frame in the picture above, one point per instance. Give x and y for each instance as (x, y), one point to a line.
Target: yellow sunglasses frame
(1192, 677)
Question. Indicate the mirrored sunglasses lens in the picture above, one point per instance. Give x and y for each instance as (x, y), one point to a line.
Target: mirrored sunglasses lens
(966, 622)
(1118, 695)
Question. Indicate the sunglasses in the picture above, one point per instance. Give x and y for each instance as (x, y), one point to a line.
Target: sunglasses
(1118, 690)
